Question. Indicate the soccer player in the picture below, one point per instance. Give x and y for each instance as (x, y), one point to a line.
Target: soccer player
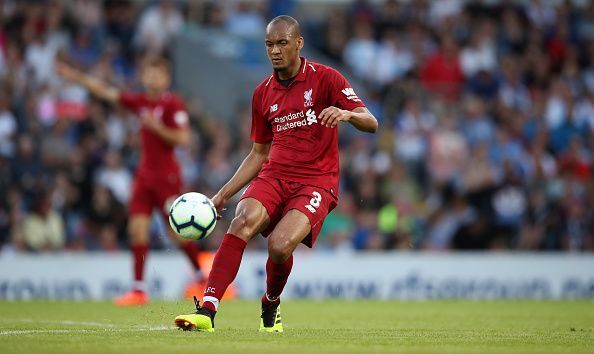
(158, 180)
(293, 169)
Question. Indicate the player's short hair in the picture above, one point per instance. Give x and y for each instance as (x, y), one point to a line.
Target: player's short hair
(152, 61)
(290, 21)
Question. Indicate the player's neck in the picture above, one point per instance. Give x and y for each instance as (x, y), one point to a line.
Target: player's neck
(153, 94)
(290, 72)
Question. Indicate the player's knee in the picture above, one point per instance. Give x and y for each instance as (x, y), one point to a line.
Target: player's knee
(138, 238)
(279, 250)
(244, 225)
(238, 225)
(138, 233)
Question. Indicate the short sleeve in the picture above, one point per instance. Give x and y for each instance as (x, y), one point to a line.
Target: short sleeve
(261, 128)
(179, 114)
(342, 94)
(130, 100)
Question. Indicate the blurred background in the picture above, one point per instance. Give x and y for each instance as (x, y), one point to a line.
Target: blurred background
(486, 112)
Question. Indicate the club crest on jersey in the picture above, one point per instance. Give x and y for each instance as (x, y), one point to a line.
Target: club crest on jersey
(308, 96)
(274, 108)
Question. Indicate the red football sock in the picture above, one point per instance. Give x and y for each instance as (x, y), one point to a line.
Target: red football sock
(191, 250)
(224, 269)
(276, 278)
(139, 253)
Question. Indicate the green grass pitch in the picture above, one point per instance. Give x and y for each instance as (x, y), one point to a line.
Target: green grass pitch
(310, 327)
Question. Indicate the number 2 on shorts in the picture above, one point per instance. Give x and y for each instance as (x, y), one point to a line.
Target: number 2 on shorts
(314, 203)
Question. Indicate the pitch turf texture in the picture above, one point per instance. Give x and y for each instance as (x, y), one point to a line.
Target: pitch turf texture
(310, 327)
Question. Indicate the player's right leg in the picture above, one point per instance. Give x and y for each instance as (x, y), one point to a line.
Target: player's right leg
(251, 217)
(138, 231)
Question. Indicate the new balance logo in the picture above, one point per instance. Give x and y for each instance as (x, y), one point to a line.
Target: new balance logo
(350, 94)
(274, 108)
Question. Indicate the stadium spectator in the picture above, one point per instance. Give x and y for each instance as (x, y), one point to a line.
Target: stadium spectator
(158, 25)
(119, 22)
(8, 127)
(448, 150)
(115, 177)
(105, 222)
(412, 128)
(479, 54)
(43, 228)
(393, 59)
(441, 74)
(360, 52)
(245, 20)
(334, 34)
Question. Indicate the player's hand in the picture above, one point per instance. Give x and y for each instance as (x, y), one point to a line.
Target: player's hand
(330, 116)
(219, 203)
(151, 122)
(66, 71)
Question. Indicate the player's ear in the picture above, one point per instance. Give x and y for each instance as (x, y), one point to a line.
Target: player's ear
(300, 42)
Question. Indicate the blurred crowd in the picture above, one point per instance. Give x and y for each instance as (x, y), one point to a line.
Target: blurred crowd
(486, 121)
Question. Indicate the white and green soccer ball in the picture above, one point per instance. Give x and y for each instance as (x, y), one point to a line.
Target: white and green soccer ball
(193, 216)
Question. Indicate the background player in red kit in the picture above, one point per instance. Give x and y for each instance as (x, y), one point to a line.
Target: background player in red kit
(293, 169)
(158, 180)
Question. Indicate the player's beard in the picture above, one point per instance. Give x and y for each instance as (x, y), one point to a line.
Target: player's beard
(281, 66)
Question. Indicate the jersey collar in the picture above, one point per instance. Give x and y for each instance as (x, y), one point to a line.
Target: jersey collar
(301, 75)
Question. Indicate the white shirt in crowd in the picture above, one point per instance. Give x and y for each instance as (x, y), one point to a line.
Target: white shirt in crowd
(8, 128)
(156, 27)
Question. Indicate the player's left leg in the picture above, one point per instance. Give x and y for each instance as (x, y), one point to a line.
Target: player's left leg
(302, 220)
(290, 231)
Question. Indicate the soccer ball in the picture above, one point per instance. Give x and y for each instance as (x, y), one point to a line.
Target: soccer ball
(192, 216)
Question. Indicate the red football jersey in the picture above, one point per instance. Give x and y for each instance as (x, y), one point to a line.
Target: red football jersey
(302, 149)
(157, 157)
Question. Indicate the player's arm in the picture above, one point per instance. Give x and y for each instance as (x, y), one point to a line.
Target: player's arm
(249, 169)
(360, 118)
(97, 87)
(172, 135)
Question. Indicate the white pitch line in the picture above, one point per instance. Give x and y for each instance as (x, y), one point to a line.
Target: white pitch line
(68, 322)
(36, 331)
(56, 331)
(107, 327)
